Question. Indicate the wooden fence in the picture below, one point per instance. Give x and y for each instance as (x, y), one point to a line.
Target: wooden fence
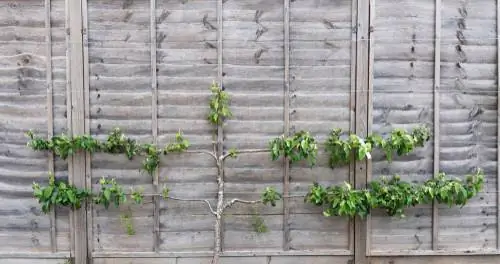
(79, 67)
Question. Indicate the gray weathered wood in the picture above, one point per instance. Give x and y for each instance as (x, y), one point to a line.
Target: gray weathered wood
(498, 126)
(436, 134)
(86, 92)
(154, 123)
(77, 107)
(50, 113)
(286, 127)
(362, 93)
(352, 107)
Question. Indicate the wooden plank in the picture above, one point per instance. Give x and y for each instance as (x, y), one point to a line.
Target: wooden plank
(286, 128)
(498, 125)
(33, 255)
(69, 113)
(154, 123)
(362, 88)
(86, 92)
(371, 61)
(443, 259)
(208, 253)
(50, 114)
(437, 80)
(352, 106)
(77, 108)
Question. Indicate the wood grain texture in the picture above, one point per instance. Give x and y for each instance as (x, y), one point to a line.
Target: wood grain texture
(286, 128)
(185, 73)
(437, 123)
(88, 156)
(320, 96)
(27, 85)
(498, 126)
(112, 105)
(250, 48)
(77, 175)
(478, 114)
(154, 121)
(403, 68)
(363, 66)
(254, 60)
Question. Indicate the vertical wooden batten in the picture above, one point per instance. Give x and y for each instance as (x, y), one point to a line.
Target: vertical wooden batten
(437, 80)
(352, 105)
(50, 113)
(88, 156)
(362, 94)
(286, 128)
(369, 111)
(498, 124)
(77, 122)
(154, 124)
(69, 113)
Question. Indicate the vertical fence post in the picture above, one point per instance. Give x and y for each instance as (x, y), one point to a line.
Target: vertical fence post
(437, 80)
(498, 124)
(286, 128)
(88, 156)
(362, 168)
(76, 121)
(352, 104)
(154, 124)
(50, 113)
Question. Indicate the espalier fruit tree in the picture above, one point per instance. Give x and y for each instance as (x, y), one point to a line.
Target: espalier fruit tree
(391, 194)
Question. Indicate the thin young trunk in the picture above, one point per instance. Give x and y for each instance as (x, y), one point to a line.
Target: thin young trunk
(218, 215)
(217, 248)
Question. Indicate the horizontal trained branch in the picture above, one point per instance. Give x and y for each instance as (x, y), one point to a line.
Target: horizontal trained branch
(394, 195)
(116, 143)
(61, 193)
(400, 141)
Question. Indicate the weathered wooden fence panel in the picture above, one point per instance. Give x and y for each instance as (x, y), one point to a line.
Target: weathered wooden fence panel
(321, 98)
(289, 65)
(403, 73)
(33, 96)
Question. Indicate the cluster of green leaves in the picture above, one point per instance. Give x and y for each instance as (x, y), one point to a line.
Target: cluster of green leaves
(115, 143)
(110, 193)
(179, 145)
(394, 195)
(340, 150)
(339, 200)
(399, 140)
(453, 192)
(59, 193)
(127, 223)
(270, 196)
(300, 146)
(219, 105)
(258, 224)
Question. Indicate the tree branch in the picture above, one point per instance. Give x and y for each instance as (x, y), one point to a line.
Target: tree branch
(180, 199)
(223, 157)
(212, 154)
(233, 201)
(193, 200)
